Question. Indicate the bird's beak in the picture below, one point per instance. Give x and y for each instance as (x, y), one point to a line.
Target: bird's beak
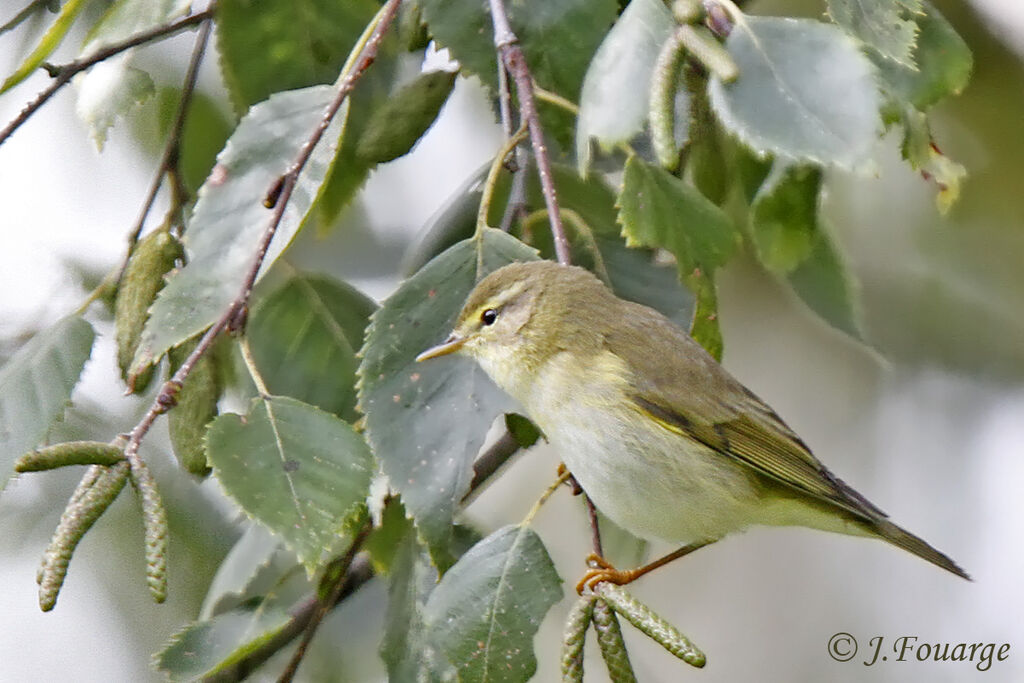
(450, 345)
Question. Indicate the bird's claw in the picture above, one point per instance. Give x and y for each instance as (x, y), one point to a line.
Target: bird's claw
(602, 571)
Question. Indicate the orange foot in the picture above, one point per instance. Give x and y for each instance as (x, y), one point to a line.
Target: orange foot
(602, 571)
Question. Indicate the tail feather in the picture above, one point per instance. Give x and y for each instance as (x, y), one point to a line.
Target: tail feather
(918, 546)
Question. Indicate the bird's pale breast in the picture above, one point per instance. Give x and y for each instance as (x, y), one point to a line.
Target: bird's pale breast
(652, 482)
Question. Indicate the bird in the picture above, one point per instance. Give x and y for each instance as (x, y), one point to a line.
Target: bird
(662, 439)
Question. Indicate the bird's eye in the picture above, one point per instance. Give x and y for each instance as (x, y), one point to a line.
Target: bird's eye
(489, 316)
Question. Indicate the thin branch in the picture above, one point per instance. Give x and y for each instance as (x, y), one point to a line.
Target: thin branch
(595, 527)
(358, 575)
(505, 101)
(324, 606)
(63, 74)
(169, 160)
(489, 462)
(234, 315)
(512, 57)
(515, 207)
(491, 182)
(556, 99)
(361, 571)
(366, 58)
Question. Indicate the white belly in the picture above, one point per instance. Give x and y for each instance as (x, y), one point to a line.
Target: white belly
(658, 486)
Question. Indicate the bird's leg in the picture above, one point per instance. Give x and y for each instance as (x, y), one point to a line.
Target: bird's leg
(602, 570)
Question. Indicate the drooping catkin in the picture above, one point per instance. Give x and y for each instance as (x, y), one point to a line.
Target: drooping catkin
(97, 490)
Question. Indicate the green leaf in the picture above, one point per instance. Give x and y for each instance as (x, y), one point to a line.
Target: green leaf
(206, 130)
(613, 102)
(889, 26)
(350, 171)
(125, 18)
(295, 469)
(36, 385)
(305, 335)
(704, 326)
(750, 170)
(925, 156)
(784, 216)
(558, 40)
(387, 536)
(826, 285)
(251, 567)
(47, 44)
(403, 621)
(230, 218)
(522, 429)
(487, 608)
(804, 92)
(427, 421)
(399, 124)
(638, 275)
(112, 88)
(944, 64)
(632, 273)
(658, 210)
(274, 45)
(204, 648)
(406, 649)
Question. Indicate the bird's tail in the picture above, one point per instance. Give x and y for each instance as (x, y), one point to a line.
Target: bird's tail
(911, 543)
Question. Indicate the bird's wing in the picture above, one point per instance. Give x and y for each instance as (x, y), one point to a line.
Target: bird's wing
(679, 386)
(774, 451)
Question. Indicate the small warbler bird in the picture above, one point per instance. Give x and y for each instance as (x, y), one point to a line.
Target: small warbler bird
(661, 437)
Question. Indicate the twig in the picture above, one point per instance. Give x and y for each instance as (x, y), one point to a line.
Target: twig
(385, 16)
(492, 460)
(512, 57)
(359, 574)
(172, 150)
(556, 99)
(563, 476)
(516, 204)
(595, 528)
(491, 182)
(515, 207)
(505, 101)
(234, 315)
(63, 74)
(324, 606)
